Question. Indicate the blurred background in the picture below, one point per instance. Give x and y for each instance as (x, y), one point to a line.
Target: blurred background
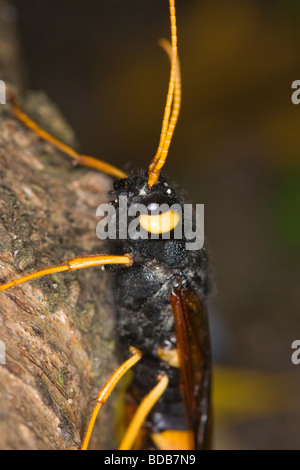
(236, 149)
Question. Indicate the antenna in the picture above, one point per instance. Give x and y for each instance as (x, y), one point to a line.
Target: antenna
(173, 98)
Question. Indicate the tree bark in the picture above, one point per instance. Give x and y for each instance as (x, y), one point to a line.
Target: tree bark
(57, 330)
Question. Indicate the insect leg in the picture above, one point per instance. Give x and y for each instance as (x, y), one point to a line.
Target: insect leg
(71, 265)
(142, 412)
(79, 158)
(107, 389)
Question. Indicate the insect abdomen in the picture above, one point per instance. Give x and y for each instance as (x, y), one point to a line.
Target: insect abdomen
(145, 320)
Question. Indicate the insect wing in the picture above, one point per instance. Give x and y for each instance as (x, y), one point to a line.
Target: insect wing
(193, 344)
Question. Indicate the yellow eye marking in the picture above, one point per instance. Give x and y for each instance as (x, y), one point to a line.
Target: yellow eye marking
(169, 356)
(159, 223)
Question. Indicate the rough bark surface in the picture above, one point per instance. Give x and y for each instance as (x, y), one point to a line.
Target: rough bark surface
(58, 329)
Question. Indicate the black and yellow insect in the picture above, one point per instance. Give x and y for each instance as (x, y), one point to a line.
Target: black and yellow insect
(160, 291)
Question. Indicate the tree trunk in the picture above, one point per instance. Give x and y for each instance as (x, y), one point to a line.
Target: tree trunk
(57, 330)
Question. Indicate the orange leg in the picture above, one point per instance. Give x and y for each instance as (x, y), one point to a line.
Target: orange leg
(71, 265)
(142, 412)
(81, 159)
(107, 389)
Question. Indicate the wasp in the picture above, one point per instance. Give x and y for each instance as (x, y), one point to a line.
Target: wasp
(160, 290)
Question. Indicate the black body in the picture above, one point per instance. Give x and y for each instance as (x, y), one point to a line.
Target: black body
(144, 312)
